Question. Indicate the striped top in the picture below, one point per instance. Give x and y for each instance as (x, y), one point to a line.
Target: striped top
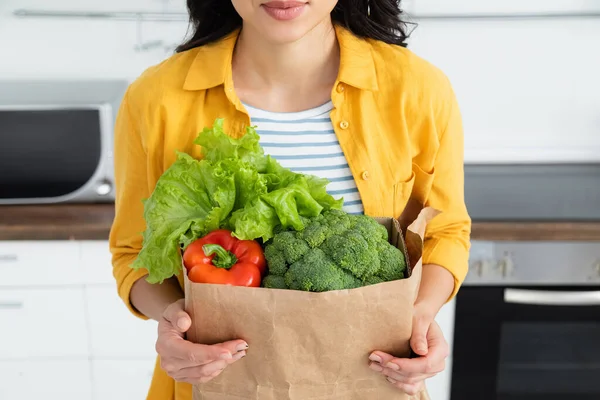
(305, 142)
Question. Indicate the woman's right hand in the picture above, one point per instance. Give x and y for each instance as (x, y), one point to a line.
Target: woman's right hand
(189, 362)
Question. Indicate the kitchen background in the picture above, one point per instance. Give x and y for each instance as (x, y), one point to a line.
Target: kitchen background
(527, 76)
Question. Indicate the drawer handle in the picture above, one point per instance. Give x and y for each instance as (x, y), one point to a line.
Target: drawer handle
(11, 305)
(552, 298)
(8, 258)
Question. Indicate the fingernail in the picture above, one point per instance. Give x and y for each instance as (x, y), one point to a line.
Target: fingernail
(390, 380)
(393, 366)
(375, 358)
(239, 355)
(376, 367)
(181, 323)
(226, 356)
(242, 346)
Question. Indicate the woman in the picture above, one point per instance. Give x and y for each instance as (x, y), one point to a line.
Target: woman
(312, 75)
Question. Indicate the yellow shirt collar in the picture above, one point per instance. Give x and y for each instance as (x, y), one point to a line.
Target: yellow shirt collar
(212, 65)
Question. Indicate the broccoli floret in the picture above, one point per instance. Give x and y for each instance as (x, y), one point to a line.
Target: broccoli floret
(274, 282)
(372, 280)
(335, 251)
(352, 252)
(392, 264)
(370, 229)
(315, 233)
(316, 272)
(292, 247)
(275, 261)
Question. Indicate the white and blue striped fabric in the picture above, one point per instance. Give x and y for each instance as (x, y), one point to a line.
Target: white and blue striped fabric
(305, 142)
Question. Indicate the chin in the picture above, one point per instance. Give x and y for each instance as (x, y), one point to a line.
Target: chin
(284, 34)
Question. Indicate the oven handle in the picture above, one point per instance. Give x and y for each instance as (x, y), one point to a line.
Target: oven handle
(552, 298)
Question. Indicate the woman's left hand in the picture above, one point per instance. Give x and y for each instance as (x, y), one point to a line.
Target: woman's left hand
(409, 374)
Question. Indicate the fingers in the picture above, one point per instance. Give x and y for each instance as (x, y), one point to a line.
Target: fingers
(418, 340)
(408, 388)
(189, 353)
(193, 363)
(408, 374)
(205, 373)
(176, 315)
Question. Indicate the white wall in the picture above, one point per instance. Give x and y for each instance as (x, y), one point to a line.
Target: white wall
(529, 89)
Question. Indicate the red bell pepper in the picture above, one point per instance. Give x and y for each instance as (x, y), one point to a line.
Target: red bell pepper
(221, 258)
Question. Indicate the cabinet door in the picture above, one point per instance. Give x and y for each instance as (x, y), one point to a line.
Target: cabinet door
(114, 331)
(509, 7)
(52, 380)
(41, 322)
(122, 379)
(39, 263)
(96, 262)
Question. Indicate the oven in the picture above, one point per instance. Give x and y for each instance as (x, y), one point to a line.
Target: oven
(527, 323)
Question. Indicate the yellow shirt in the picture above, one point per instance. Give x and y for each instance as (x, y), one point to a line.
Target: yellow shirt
(395, 115)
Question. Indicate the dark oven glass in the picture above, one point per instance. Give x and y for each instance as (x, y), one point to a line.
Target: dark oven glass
(527, 343)
(47, 153)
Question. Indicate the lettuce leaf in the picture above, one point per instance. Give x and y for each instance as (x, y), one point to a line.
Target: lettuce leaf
(235, 186)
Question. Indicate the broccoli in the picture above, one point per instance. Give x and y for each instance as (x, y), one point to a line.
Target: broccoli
(334, 251)
(274, 282)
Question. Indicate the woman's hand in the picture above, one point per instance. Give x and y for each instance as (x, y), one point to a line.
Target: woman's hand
(188, 362)
(409, 374)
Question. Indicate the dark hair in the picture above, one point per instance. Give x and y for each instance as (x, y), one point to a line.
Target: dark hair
(381, 20)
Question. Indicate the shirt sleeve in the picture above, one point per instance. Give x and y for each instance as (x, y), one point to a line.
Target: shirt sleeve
(447, 237)
(131, 186)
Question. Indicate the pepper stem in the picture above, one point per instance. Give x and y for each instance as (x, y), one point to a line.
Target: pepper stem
(223, 258)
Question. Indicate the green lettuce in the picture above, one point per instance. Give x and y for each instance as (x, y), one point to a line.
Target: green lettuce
(235, 186)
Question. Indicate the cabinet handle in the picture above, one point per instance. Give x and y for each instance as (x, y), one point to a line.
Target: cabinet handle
(6, 258)
(11, 305)
(552, 298)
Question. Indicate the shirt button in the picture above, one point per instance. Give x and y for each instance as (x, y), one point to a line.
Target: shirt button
(365, 175)
(340, 88)
(344, 124)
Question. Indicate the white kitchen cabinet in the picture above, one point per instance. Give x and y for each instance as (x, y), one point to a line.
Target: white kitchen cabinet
(40, 263)
(98, 5)
(506, 7)
(121, 379)
(43, 322)
(522, 100)
(114, 331)
(52, 380)
(96, 262)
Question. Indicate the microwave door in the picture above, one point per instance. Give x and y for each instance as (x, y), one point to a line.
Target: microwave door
(527, 343)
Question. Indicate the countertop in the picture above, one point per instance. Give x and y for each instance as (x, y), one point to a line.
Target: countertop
(93, 221)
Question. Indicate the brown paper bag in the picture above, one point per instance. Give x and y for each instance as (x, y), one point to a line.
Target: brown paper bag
(306, 345)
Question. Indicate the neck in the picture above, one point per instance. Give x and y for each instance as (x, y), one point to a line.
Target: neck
(313, 59)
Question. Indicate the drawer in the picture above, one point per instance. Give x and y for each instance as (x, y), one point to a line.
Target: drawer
(114, 331)
(35, 263)
(39, 323)
(96, 262)
(53, 380)
(122, 379)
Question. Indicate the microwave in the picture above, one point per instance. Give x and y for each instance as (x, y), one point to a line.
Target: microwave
(56, 141)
